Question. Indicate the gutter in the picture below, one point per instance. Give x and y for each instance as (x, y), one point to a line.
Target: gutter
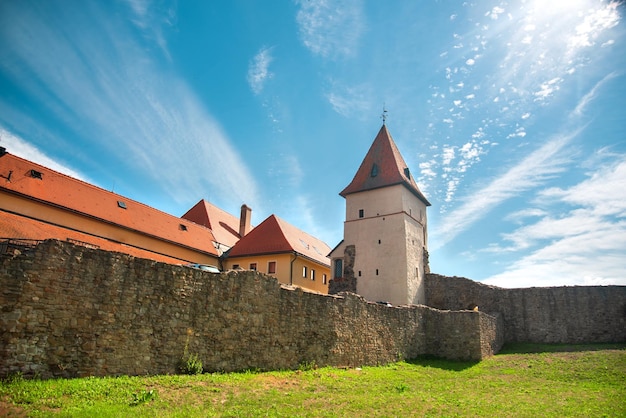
(295, 256)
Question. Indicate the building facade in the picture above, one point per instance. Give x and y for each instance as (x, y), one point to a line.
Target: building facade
(281, 250)
(383, 255)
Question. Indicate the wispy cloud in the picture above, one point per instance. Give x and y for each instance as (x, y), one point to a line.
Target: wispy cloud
(512, 62)
(258, 70)
(104, 84)
(527, 174)
(17, 146)
(151, 17)
(587, 98)
(350, 101)
(331, 28)
(584, 245)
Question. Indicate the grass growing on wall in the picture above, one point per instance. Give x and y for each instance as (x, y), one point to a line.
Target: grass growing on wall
(528, 380)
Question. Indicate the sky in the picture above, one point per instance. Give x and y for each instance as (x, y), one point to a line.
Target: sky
(512, 114)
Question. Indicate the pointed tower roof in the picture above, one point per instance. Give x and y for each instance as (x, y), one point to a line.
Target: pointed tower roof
(383, 166)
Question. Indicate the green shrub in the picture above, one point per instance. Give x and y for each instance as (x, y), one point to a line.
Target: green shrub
(191, 364)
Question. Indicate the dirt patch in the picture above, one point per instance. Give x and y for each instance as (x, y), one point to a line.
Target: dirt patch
(10, 410)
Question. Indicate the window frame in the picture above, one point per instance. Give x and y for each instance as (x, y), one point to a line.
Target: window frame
(269, 265)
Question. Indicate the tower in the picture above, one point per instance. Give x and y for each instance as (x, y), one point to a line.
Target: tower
(383, 255)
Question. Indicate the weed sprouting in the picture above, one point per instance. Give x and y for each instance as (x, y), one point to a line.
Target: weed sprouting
(191, 364)
(143, 397)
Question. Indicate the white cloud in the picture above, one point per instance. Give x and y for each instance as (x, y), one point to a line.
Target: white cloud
(523, 214)
(582, 246)
(587, 98)
(258, 70)
(105, 83)
(331, 28)
(350, 101)
(595, 21)
(17, 146)
(151, 21)
(527, 174)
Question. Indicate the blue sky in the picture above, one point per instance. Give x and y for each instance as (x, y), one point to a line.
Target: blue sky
(512, 112)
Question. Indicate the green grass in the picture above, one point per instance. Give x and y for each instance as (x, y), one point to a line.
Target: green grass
(524, 380)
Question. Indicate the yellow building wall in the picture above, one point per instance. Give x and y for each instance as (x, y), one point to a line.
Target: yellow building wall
(75, 221)
(289, 269)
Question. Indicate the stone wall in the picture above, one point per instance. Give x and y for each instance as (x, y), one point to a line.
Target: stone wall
(72, 311)
(577, 314)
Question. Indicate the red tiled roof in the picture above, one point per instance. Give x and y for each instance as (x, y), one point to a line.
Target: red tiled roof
(225, 227)
(274, 236)
(18, 227)
(383, 166)
(77, 196)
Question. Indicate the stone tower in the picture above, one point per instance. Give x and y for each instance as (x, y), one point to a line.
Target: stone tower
(383, 255)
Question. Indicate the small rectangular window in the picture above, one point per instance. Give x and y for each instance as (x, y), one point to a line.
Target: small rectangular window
(361, 213)
(253, 266)
(304, 272)
(235, 266)
(324, 279)
(271, 267)
(338, 272)
(312, 275)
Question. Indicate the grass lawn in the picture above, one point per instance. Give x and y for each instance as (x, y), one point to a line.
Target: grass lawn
(523, 380)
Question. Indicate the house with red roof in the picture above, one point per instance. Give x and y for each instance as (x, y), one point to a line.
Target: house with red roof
(279, 249)
(38, 203)
(383, 255)
(227, 229)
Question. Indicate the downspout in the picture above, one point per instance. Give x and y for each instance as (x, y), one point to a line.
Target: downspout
(295, 256)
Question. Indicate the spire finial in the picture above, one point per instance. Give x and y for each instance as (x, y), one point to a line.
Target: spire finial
(384, 115)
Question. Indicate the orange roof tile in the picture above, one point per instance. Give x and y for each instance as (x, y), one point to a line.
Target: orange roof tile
(18, 227)
(274, 235)
(43, 184)
(383, 166)
(225, 227)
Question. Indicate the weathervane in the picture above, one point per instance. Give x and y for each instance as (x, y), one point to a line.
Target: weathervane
(384, 115)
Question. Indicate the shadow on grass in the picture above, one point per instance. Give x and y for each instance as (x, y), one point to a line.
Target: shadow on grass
(527, 348)
(513, 348)
(439, 363)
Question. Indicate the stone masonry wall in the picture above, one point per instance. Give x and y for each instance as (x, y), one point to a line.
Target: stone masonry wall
(69, 311)
(577, 314)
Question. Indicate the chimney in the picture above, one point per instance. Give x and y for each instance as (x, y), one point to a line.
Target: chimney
(244, 220)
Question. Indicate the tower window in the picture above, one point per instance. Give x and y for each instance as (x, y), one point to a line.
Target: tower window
(304, 271)
(361, 213)
(338, 268)
(324, 279)
(312, 275)
(377, 272)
